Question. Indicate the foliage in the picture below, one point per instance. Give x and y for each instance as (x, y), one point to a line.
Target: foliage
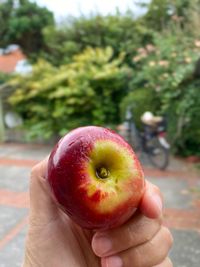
(87, 91)
(164, 13)
(23, 25)
(121, 32)
(83, 78)
(5, 13)
(3, 77)
(167, 70)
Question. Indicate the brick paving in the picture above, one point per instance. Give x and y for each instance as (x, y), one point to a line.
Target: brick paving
(181, 213)
(16, 162)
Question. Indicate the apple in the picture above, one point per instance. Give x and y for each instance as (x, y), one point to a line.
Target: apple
(95, 177)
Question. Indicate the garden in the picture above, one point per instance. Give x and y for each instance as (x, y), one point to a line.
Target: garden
(88, 70)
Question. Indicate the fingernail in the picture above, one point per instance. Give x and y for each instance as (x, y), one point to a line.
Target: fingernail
(114, 261)
(158, 202)
(102, 245)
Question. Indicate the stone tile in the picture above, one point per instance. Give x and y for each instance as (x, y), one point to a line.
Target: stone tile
(32, 152)
(6, 151)
(12, 254)
(175, 192)
(25, 151)
(9, 218)
(186, 249)
(14, 178)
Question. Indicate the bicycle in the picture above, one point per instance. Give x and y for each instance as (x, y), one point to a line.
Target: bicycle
(151, 140)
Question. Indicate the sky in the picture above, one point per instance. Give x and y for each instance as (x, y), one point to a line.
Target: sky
(63, 8)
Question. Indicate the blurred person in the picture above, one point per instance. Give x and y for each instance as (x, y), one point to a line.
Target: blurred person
(54, 240)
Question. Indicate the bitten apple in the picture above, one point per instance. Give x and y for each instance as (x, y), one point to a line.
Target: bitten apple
(95, 177)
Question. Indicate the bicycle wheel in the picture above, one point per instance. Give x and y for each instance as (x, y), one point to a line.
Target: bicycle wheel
(157, 154)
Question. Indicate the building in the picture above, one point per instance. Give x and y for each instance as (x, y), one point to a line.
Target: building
(13, 60)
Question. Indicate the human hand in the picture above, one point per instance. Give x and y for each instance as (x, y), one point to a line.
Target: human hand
(54, 240)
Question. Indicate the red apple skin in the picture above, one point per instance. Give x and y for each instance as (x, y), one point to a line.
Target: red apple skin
(69, 180)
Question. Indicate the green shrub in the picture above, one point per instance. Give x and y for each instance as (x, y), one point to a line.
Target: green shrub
(87, 91)
(3, 77)
(166, 68)
(184, 118)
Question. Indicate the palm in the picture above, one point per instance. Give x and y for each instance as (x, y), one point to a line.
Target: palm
(65, 244)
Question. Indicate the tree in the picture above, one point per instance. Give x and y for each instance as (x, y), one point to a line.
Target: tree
(121, 32)
(162, 12)
(22, 24)
(5, 14)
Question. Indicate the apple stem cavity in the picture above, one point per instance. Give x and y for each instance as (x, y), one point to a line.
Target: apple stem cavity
(102, 173)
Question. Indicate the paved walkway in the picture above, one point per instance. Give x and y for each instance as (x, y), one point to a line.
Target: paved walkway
(180, 186)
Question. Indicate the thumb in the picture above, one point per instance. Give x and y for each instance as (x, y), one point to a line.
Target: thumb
(151, 204)
(42, 207)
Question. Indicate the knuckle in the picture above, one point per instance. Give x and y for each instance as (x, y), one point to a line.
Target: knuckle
(168, 236)
(39, 169)
(152, 227)
(170, 263)
(136, 232)
(160, 220)
(156, 188)
(35, 169)
(148, 238)
(143, 230)
(167, 263)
